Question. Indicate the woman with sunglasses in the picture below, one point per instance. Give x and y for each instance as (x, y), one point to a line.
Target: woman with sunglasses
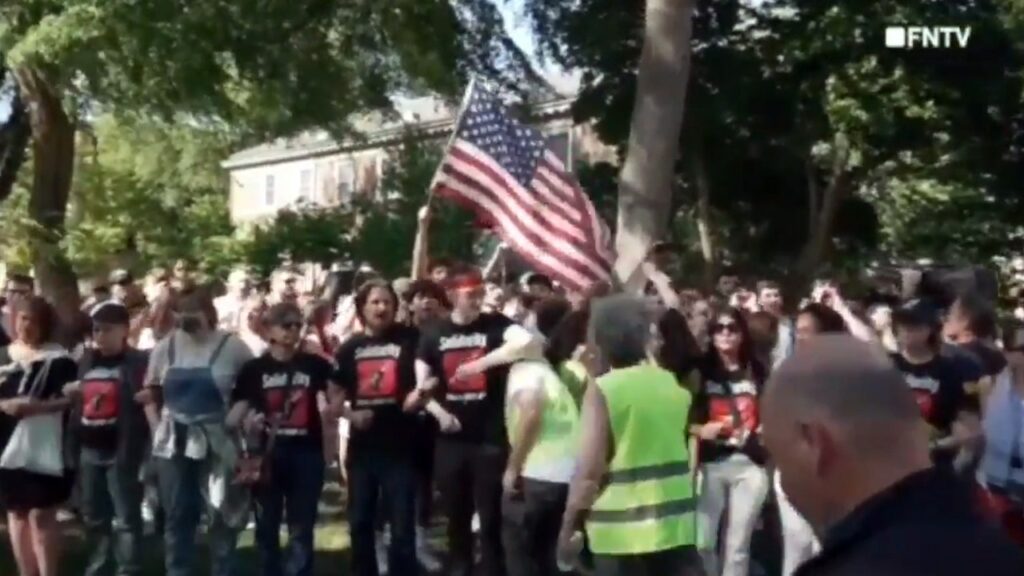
(276, 399)
(376, 374)
(727, 420)
(189, 380)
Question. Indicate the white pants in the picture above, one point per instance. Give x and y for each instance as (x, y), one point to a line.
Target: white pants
(798, 541)
(744, 486)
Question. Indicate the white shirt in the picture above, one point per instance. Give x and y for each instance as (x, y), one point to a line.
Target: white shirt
(530, 375)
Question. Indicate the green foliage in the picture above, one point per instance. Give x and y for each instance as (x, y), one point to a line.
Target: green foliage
(263, 68)
(387, 228)
(379, 231)
(771, 86)
(15, 230)
(301, 234)
(270, 67)
(146, 193)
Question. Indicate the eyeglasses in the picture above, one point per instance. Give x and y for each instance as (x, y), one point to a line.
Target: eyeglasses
(291, 325)
(729, 327)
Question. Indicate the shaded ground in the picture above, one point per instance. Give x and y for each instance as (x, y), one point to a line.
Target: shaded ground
(332, 545)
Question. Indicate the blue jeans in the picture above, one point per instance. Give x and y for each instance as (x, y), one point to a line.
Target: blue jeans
(182, 487)
(293, 489)
(370, 475)
(111, 500)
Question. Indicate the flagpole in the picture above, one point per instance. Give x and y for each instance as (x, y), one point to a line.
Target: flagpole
(451, 139)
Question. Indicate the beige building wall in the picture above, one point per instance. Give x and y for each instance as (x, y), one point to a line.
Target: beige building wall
(259, 189)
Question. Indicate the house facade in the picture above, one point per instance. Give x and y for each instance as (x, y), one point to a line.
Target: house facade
(313, 168)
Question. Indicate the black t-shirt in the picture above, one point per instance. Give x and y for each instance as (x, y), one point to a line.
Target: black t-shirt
(270, 386)
(965, 362)
(377, 373)
(478, 402)
(939, 387)
(63, 371)
(101, 388)
(731, 397)
(990, 359)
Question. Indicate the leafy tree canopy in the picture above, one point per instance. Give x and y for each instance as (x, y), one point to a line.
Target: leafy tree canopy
(782, 90)
(146, 193)
(270, 67)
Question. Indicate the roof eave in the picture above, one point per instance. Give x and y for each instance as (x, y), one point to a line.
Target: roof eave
(385, 137)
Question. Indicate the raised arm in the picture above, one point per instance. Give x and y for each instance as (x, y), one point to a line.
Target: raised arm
(420, 246)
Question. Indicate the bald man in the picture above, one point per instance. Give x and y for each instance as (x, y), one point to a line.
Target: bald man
(847, 437)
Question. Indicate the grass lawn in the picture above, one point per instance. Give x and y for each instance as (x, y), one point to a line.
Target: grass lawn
(332, 546)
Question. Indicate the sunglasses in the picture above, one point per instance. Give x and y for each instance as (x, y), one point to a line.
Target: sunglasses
(726, 327)
(291, 325)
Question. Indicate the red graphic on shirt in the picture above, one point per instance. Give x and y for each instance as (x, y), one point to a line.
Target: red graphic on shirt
(293, 407)
(721, 409)
(100, 400)
(455, 358)
(378, 378)
(926, 402)
(924, 389)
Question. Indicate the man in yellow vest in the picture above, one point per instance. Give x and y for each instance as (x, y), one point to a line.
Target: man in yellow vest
(632, 490)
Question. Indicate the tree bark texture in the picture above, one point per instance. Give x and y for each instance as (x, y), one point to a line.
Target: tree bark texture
(648, 173)
(53, 154)
(835, 192)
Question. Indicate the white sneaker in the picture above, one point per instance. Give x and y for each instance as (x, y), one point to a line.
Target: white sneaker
(382, 543)
(148, 519)
(424, 553)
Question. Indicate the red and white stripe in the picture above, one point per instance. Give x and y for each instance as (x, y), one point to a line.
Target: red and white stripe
(552, 223)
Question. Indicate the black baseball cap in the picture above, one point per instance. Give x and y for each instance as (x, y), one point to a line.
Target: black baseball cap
(919, 312)
(110, 312)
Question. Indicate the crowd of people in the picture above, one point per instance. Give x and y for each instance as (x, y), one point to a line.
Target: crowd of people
(559, 432)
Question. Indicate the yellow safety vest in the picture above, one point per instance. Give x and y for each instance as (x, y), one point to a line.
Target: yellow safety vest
(558, 438)
(647, 504)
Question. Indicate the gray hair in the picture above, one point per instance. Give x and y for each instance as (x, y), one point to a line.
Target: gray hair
(620, 328)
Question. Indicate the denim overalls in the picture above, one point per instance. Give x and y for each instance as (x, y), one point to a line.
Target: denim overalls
(193, 402)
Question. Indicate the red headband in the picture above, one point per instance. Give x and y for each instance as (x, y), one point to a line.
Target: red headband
(466, 282)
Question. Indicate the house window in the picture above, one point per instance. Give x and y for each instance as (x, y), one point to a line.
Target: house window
(268, 190)
(346, 181)
(306, 184)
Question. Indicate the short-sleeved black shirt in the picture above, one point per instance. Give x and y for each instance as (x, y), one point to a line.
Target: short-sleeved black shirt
(377, 373)
(939, 387)
(478, 402)
(269, 385)
(731, 397)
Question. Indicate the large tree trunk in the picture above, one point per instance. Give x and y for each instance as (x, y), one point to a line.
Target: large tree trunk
(838, 187)
(707, 239)
(647, 176)
(53, 154)
(14, 136)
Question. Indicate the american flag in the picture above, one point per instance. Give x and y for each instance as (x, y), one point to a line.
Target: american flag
(502, 171)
